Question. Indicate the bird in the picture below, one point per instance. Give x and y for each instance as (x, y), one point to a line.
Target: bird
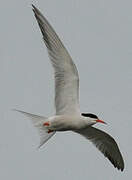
(68, 116)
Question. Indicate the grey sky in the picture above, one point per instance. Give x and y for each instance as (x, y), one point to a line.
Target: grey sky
(98, 36)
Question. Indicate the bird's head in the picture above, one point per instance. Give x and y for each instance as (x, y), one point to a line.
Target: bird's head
(93, 118)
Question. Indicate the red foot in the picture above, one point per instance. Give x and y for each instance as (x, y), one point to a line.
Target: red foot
(49, 131)
(46, 124)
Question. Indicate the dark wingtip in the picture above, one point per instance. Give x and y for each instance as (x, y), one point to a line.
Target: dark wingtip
(36, 11)
(122, 168)
(33, 6)
(116, 163)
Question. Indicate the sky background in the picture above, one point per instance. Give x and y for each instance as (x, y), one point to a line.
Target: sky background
(98, 36)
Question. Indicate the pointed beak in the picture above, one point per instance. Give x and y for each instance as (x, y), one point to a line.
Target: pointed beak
(100, 121)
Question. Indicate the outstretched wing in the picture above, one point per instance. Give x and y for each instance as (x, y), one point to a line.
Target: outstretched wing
(66, 75)
(106, 144)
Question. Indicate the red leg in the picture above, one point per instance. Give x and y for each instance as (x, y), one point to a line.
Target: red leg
(49, 131)
(46, 124)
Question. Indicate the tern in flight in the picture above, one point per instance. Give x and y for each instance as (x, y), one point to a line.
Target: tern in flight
(68, 116)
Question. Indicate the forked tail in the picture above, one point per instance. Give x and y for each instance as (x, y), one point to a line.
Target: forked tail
(38, 122)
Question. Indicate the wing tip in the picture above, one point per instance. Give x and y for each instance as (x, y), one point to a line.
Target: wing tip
(33, 7)
(122, 166)
(35, 10)
(119, 164)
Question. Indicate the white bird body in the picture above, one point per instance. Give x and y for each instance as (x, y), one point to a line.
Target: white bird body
(68, 116)
(67, 122)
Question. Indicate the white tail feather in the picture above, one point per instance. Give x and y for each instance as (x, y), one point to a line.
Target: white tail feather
(38, 123)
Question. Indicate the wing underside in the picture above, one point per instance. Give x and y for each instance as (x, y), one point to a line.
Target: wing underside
(106, 144)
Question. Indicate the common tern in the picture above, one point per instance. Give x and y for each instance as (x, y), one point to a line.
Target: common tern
(68, 116)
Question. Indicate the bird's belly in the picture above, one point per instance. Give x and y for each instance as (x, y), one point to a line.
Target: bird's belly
(65, 123)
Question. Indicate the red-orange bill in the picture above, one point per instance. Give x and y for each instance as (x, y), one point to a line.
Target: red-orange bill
(101, 121)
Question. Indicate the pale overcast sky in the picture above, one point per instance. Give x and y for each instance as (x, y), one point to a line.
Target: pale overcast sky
(98, 35)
